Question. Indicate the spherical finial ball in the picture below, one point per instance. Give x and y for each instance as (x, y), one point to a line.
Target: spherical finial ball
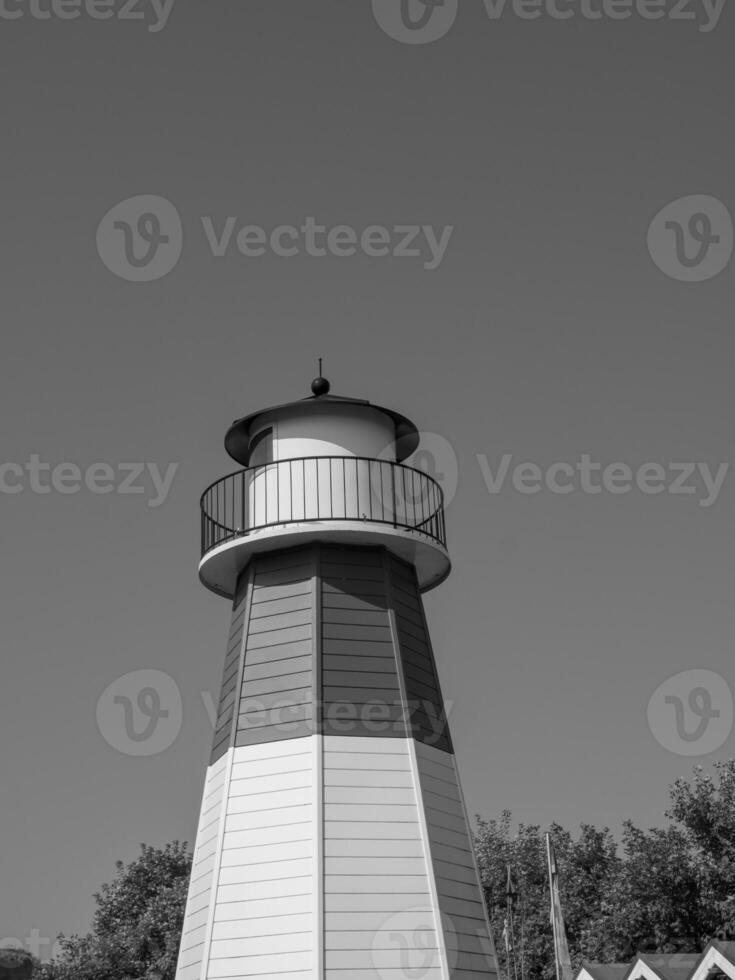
(320, 386)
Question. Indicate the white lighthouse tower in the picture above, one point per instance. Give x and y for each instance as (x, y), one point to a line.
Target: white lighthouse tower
(333, 841)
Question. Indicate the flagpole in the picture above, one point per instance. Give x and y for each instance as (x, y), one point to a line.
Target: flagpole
(512, 951)
(523, 927)
(511, 941)
(551, 902)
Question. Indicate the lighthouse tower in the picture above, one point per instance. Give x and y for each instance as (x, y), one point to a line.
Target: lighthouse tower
(333, 841)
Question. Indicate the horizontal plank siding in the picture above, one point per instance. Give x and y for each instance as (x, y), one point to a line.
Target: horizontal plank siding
(200, 894)
(354, 600)
(275, 729)
(266, 877)
(288, 650)
(382, 974)
(290, 603)
(470, 949)
(339, 923)
(263, 928)
(356, 633)
(226, 706)
(287, 590)
(275, 699)
(367, 848)
(277, 637)
(269, 822)
(376, 884)
(428, 721)
(291, 964)
(366, 647)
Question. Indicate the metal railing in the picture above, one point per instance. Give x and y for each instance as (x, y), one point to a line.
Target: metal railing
(321, 488)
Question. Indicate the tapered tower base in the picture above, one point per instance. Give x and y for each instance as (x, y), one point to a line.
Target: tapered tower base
(333, 840)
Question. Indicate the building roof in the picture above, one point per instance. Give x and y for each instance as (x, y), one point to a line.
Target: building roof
(606, 971)
(726, 948)
(667, 966)
(718, 955)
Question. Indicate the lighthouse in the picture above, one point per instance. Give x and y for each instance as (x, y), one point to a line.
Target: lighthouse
(333, 841)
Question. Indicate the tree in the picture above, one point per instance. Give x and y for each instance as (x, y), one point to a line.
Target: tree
(705, 810)
(16, 964)
(588, 864)
(653, 902)
(666, 890)
(136, 928)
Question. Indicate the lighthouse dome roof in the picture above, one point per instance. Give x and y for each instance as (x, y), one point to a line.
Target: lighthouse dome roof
(237, 439)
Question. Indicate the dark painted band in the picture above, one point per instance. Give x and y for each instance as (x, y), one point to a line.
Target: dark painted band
(329, 640)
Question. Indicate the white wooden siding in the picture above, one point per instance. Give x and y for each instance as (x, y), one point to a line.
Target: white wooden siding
(253, 872)
(470, 951)
(264, 920)
(376, 887)
(200, 886)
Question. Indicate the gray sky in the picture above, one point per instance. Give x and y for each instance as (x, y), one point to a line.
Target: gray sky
(546, 332)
